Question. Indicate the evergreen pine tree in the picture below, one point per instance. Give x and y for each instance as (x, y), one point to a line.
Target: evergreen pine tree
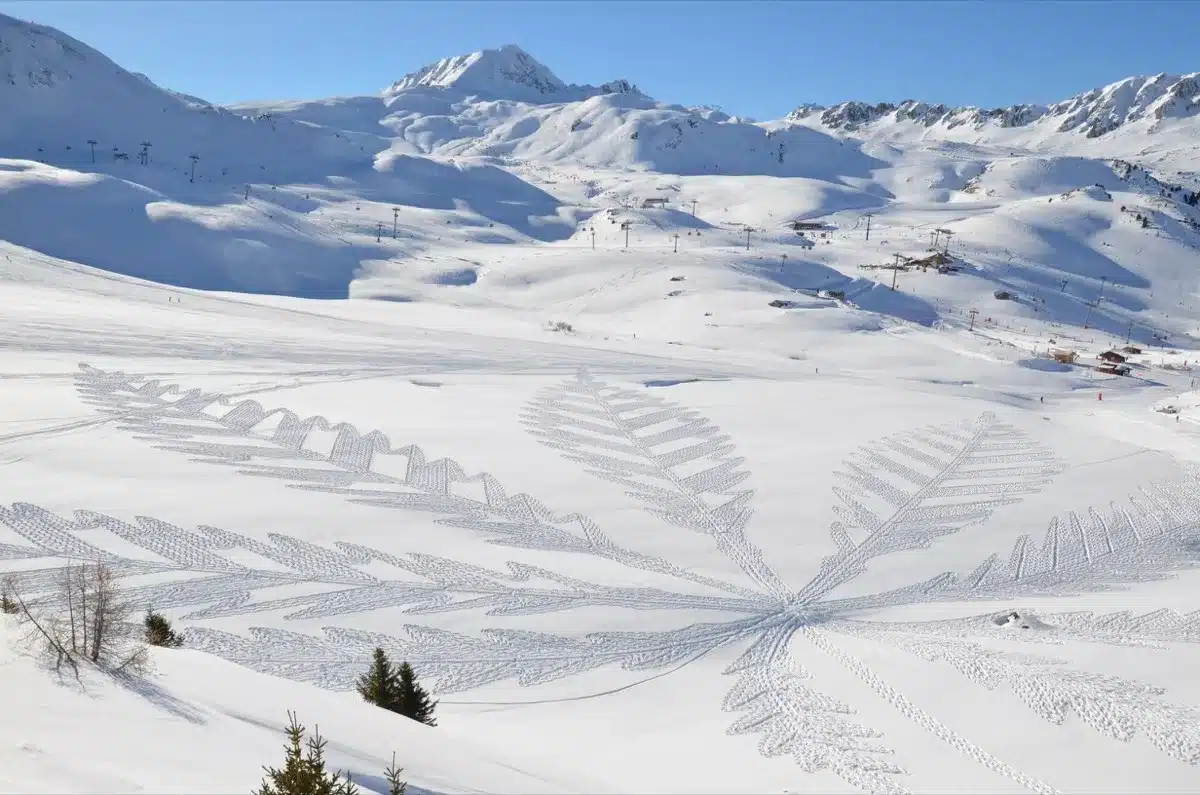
(413, 700)
(304, 774)
(160, 633)
(380, 685)
(326, 783)
(392, 777)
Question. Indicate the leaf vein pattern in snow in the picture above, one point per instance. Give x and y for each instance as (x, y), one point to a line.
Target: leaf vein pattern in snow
(634, 439)
(272, 444)
(900, 494)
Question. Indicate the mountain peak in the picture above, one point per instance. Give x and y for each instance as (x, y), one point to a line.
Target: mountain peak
(507, 72)
(37, 56)
(495, 72)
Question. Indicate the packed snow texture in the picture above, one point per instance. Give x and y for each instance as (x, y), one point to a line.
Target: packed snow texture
(645, 432)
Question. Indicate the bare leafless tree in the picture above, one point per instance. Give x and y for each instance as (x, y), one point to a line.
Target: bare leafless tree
(85, 618)
(42, 633)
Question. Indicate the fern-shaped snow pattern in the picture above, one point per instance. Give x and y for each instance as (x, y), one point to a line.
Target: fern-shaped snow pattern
(902, 493)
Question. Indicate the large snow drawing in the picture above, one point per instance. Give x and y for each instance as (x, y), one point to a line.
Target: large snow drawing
(899, 494)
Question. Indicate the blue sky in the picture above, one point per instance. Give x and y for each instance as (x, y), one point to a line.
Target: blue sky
(754, 58)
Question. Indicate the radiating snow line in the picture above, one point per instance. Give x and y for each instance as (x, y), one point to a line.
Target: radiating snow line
(923, 719)
(599, 694)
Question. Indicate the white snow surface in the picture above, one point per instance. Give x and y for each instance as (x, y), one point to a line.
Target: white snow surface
(631, 483)
(210, 725)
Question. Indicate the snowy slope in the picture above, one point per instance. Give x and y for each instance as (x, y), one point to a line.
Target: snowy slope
(630, 483)
(391, 548)
(100, 735)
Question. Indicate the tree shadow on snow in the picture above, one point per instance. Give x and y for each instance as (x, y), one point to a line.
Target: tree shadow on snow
(379, 785)
(139, 685)
(160, 698)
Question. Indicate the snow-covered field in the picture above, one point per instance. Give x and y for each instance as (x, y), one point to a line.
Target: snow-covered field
(630, 486)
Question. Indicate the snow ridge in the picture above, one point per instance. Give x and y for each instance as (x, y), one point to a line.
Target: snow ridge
(1093, 113)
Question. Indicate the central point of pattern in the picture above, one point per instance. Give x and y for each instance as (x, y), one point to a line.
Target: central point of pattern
(803, 614)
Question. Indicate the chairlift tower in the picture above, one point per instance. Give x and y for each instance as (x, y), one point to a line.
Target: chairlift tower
(748, 230)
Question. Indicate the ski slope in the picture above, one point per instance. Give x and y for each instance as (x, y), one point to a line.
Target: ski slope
(629, 483)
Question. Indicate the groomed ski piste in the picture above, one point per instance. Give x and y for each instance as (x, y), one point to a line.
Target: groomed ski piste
(542, 389)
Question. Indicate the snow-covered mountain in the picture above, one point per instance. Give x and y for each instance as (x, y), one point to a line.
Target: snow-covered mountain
(58, 95)
(495, 147)
(505, 73)
(564, 431)
(1148, 102)
(504, 104)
